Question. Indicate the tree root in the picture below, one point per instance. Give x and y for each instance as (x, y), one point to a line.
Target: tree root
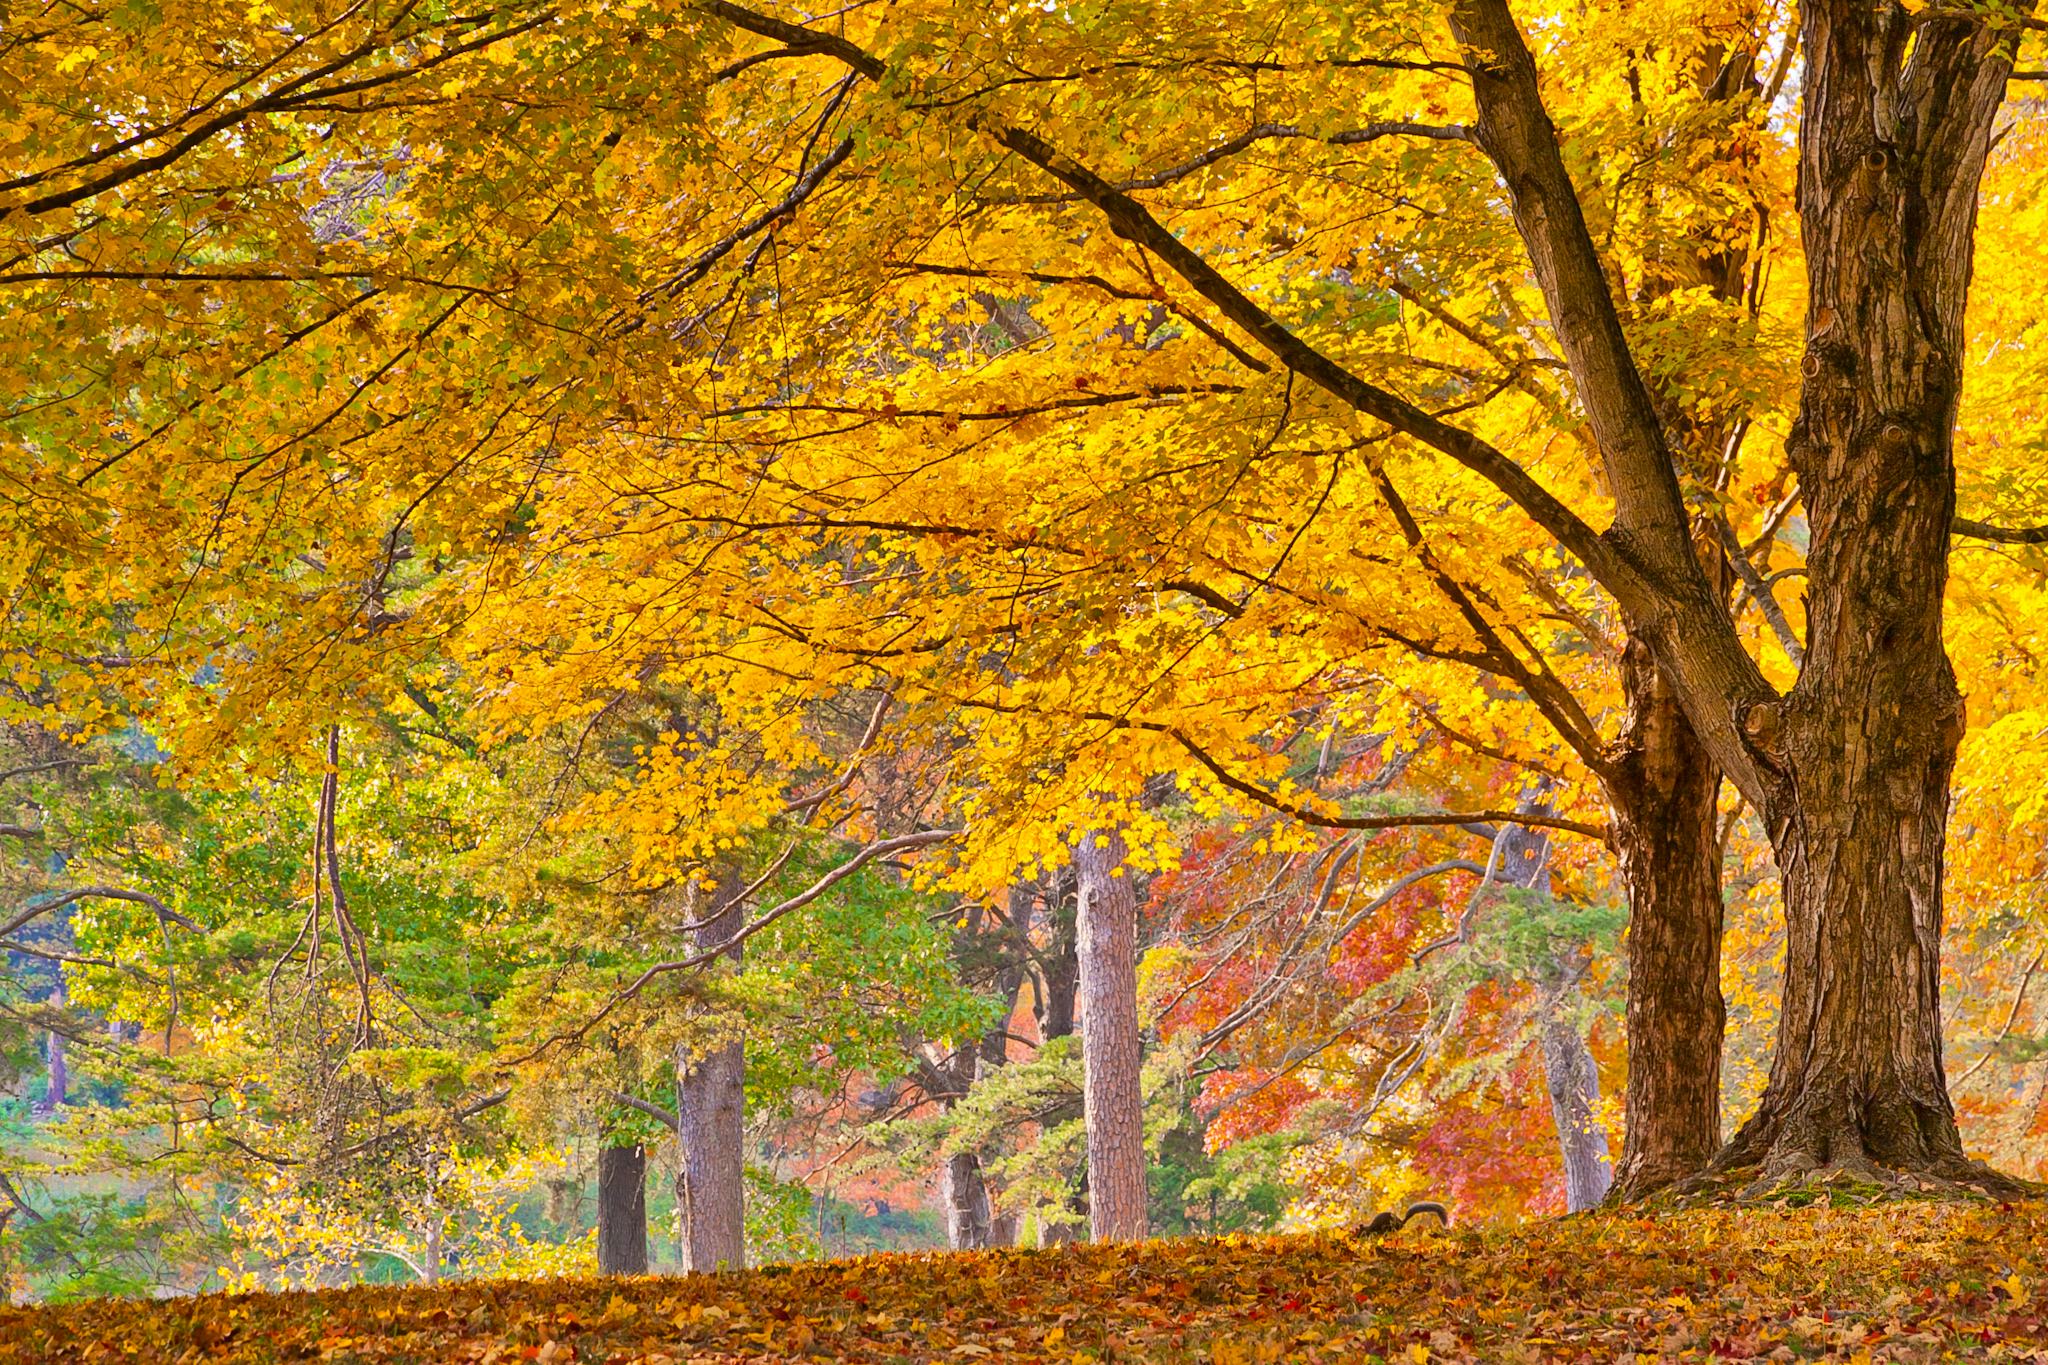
(1850, 1182)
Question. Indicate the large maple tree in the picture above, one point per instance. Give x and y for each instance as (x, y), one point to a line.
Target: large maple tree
(1113, 387)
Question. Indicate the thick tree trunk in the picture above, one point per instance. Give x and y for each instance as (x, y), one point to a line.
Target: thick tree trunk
(1663, 791)
(711, 1109)
(1111, 1052)
(1892, 148)
(622, 1210)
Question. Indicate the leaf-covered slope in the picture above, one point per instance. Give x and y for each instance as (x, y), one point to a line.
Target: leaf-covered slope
(1903, 1283)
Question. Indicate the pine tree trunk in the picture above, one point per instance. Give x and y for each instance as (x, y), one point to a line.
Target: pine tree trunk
(1892, 149)
(711, 1109)
(1663, 792)
(622, 1210)
(1111, 1052)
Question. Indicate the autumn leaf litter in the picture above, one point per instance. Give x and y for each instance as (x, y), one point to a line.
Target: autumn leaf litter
(1900, 1282)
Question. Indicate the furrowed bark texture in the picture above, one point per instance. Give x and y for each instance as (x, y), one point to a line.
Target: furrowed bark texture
(1851, 770)
(1110, 1045)
(1663, 793)
(622, 1210)
(710, 1107)
(1892, 148)
(1663, 785)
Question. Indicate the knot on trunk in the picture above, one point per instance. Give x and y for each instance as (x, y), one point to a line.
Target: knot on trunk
(1763, 727)
(1827, 357)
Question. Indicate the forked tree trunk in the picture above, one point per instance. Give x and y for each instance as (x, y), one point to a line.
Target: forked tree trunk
(1892, 149)
(622, 1210)
(1111, 1052)
(1662, 791)
(711, 1109)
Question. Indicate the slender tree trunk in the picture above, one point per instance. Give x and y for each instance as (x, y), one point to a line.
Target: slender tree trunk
(622, 1210)
(1574, 1083)
(1523, 860)
(963, 1184)
(1663, 791)
(711, 1109)
(1896, 128)
(1060, 969)
(1111, 1051)
(58, 1090)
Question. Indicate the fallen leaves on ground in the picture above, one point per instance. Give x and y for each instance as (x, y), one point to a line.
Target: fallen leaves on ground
(1906, 1282)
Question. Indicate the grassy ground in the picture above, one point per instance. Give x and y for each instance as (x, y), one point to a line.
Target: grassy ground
(1899, 1282)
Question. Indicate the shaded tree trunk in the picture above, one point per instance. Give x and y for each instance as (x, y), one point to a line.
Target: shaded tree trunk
(1111, 1049)
(1663, 790)
(1850, 770)
(1060, 968)
(1662, 785)
(622, 1210)
(1897, 125)
(710, 1112)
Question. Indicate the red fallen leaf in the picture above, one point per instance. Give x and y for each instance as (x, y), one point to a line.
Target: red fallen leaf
(854, 1295)
(1293, 1305)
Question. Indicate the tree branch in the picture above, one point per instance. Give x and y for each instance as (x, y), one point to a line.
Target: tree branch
(105, 893)
(2004, 535)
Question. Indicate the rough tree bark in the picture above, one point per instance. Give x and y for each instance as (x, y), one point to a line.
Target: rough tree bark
(1850, 770)
(1897, 126)
(1113, 1103)
(1663, 785)
(710, 1109)
(1662, 792)
(622, 1210)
